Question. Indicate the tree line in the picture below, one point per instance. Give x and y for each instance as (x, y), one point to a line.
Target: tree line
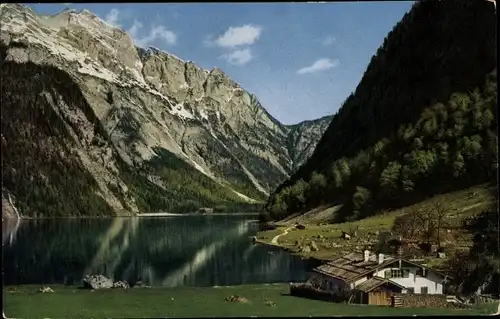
(420, 122)
(451, 146)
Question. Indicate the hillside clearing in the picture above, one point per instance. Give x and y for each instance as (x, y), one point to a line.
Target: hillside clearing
(460, 205)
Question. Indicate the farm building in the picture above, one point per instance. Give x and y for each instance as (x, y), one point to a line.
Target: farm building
(376, 291)
(373, 279)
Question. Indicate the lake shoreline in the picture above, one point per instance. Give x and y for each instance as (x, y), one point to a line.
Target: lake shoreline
(144, 215)
(303, 256)
(262, 240)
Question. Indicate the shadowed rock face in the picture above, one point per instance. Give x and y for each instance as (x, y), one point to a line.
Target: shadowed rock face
(144, 102)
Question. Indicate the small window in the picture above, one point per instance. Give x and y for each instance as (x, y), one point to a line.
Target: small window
(410, 290)
(424, 290)
(397, 273)
(421, 272)
(406, 273)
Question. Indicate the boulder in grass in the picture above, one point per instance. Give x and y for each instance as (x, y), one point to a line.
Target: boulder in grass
(121, 284)
(314, 247)
(235, 298)
(97, 282)
(46, 289)
(269, 303)
(306, 249)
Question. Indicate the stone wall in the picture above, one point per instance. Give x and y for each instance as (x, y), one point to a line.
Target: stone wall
(426, 301)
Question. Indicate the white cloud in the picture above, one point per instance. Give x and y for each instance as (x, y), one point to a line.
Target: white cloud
(134, 29)
(113, 16)
(319, 65)
(329, 40)
(236, 36)
(238, 57)
(157, 32)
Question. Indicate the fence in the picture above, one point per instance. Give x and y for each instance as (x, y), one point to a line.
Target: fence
(489, 298)
(397, 301)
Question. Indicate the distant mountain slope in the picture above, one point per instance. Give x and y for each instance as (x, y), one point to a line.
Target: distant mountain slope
(421, 121)
(303, 137)
(90, 129)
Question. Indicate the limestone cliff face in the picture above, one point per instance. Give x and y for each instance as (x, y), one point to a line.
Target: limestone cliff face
(303, 138)
(148, 103)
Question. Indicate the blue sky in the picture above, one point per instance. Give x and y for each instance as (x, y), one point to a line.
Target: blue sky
(301, 60)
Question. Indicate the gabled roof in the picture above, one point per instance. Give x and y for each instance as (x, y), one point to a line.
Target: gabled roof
(427, 268)
(351, 267)
(372, 283)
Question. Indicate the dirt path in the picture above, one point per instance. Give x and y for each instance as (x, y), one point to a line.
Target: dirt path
(274, 241)
(471, 207)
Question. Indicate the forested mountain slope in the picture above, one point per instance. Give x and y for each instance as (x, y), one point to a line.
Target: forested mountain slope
(422, 120)
(91, 130)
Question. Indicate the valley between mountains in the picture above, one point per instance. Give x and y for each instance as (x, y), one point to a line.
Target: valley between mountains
(93, 125)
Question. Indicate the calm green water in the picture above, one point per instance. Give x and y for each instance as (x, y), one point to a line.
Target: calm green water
(167, 251)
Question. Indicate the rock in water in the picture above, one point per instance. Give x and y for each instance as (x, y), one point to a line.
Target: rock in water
(97, 282)
(121, 284)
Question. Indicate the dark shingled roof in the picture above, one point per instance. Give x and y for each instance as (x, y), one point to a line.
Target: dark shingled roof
(352, 266)
(375, 282)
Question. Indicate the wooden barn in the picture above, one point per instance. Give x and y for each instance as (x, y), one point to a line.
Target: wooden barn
(376, 291)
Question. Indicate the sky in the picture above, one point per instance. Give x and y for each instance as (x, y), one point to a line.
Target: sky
(301, 60)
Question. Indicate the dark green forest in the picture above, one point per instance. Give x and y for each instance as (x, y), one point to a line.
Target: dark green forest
(484, 254)
(39, 165)
(421, 122)
(183, 189)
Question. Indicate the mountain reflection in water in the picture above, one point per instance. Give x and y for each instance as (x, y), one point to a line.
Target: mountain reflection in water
(170, 252)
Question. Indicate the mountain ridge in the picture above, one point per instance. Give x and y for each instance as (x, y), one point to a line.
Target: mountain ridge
(139, 108)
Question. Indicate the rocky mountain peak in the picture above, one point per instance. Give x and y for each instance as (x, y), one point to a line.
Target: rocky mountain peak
(152, 107)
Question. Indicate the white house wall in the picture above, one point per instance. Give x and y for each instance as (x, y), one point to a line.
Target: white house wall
(432, 281)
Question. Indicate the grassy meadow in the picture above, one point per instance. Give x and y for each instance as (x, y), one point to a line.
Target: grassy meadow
(70, 302)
